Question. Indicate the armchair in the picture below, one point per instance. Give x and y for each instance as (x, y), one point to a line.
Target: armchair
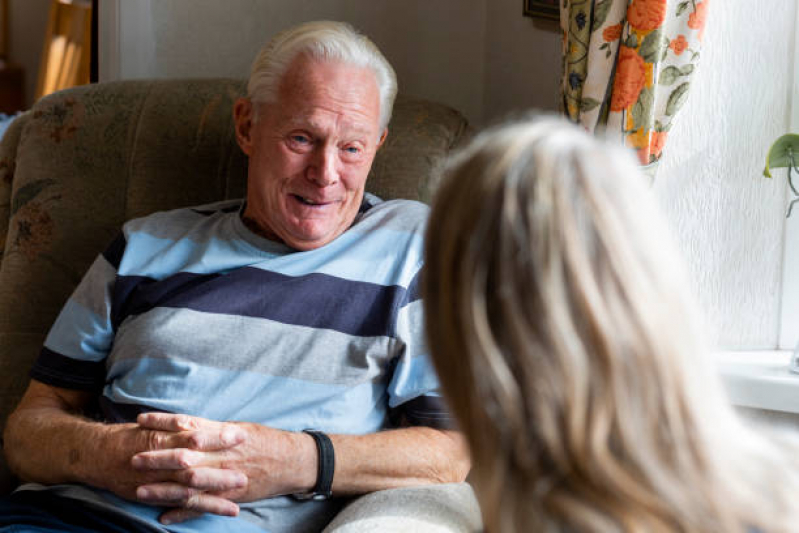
(84, 160)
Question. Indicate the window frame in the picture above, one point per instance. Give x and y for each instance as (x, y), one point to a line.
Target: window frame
(789, 305)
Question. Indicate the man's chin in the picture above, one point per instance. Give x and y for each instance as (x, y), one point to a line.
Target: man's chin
(305, 243)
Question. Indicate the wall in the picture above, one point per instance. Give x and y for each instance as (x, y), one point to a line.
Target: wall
(480, 56)
(728, 219)
(28, 23)
(522, 61)
(435, 47)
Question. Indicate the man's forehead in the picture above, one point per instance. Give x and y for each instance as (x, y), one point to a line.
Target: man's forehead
(352, 123)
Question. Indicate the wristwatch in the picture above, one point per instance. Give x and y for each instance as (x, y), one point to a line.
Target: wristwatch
(327, 465)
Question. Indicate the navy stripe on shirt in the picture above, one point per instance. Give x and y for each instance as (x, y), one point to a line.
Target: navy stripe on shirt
(113, 254)
(430, 411)
(120, 413)
(413, 293)
(59, 370)
(313, 300)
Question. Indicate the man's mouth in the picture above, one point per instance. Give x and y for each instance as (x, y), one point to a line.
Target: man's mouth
(308, 201)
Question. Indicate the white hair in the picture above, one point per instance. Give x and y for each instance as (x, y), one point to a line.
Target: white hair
(323, 41)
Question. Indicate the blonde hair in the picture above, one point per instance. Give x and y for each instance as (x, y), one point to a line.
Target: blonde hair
(567, 346)
(324, 41)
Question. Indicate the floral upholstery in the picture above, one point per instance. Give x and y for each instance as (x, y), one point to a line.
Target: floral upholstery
(84, 160)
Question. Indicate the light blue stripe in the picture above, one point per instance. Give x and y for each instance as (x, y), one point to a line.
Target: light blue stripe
(280, 402)
(367, 257)
(157, 258)
(412, 377)
(353, 256)
(171, 224)
(80, 333)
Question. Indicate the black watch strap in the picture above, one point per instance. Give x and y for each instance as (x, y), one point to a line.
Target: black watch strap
(327, 466)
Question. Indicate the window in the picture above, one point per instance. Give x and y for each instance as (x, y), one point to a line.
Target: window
(789, 314)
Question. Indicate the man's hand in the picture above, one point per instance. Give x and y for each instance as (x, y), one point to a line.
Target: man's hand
(194, 469)
(48, 441)
(193, 489)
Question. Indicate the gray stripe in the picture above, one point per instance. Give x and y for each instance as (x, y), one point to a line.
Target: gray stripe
(410, 327)
(94, 290)
(394, 215)
(230, 342)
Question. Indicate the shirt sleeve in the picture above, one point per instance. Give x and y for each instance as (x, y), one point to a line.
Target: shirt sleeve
(74, 352)
(413, 390)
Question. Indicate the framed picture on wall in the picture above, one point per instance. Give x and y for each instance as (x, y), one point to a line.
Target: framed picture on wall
(547, 9)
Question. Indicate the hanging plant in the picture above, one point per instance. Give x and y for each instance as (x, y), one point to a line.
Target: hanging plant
(784, 153)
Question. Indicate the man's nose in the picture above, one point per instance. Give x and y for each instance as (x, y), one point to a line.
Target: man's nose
(323, 170)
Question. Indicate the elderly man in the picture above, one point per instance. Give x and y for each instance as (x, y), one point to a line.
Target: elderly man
(252, 357)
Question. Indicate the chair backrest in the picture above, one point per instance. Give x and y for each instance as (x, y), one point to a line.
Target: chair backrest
(85, 160)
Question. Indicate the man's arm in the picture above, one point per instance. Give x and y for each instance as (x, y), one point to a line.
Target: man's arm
(48, 440)
(198, 465)
(282, 462)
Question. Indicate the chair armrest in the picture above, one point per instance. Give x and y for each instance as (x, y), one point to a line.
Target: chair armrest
(446, 508)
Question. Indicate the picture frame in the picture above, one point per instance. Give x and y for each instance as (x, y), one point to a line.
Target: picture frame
(545, 9)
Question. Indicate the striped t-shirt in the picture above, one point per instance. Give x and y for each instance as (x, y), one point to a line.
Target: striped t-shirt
(190, 312)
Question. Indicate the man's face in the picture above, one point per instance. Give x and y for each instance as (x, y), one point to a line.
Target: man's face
(311, 151)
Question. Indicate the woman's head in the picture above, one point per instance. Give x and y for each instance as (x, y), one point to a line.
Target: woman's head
(559, 324)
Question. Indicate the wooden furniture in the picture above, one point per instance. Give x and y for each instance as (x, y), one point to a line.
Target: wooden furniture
(12, 78)
(12, 88)
(66, 54)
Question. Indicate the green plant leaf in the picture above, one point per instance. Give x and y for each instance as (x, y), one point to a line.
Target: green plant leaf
(601, 13)
(653, 46)
(642, 110)
(587, 104)
(777, 156)
(28, 192)
(687, 70)
(677, 99)
(681, 8)
(669, 76)
(632, 41)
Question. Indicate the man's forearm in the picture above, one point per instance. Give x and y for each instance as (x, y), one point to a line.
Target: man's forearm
(283, 462)
(46, 443)
(398, 458)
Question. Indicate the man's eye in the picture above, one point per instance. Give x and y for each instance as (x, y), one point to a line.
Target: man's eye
(302, 139)
(352, 150)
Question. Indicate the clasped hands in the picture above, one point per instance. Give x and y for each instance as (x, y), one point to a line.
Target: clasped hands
(195, 466)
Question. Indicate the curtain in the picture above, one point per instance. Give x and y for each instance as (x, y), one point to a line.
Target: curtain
(627, 67)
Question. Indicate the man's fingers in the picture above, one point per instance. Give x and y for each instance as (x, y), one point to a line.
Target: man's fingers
(168, 421)
(185, 499)
(202, 478)
(172, 459)
(175, 516)
(212, 479)
(184, 431)
(166, 494)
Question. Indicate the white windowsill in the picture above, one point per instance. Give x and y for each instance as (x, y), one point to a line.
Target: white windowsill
(760, 379)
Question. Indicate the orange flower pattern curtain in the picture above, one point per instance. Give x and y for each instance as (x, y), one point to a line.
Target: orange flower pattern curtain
(627, 66)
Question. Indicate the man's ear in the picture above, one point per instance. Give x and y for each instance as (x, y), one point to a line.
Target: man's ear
(382, 138)
(242, 119)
